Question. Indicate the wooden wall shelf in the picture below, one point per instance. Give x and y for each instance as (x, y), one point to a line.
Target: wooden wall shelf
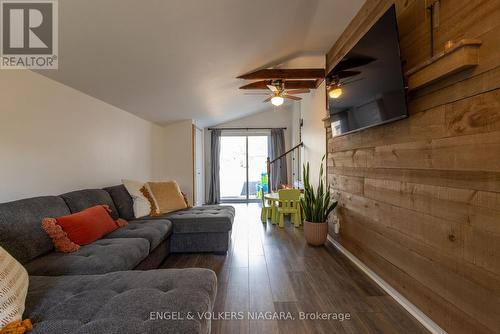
(461, 56)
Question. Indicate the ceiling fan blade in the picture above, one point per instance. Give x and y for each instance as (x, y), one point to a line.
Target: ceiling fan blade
(263, 93)
(343, 74)
(273, 88)
(350, 81)
(291, 97)
(352, 62)
(298, 91)
(288, 84)
(279, 73)
(268, 99)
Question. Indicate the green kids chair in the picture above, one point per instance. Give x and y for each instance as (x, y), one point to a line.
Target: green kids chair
(289, 204)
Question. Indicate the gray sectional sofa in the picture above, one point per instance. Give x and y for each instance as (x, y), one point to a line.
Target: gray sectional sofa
(107, 286)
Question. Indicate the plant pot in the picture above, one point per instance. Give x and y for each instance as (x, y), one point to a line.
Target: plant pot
(315, 233)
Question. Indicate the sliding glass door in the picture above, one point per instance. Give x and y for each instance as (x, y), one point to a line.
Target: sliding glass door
(242, 165)
(233, 167)
(257, 164)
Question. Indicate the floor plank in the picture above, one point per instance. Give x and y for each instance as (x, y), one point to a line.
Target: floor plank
(270, 270)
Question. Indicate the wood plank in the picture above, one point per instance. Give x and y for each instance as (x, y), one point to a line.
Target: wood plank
(461, 19)
(465, 295)
(477, 152)
(289, 73)
(477, 180)
(459, 58)
(482, 248)
(441, 202)
(457, 20)
(457, 91)
(473, 115)
(421, 126)
(353, 185)
(480, 276)
(480, 113)
(485, 212)
(445, 314)
(289, 84)
(488, 59)
(460, 205)
(444, 236)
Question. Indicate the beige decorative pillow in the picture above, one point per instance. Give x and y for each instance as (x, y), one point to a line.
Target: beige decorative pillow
(188, 205)
(13, 289)
(166, 197)
(146, 191)
(142, 207)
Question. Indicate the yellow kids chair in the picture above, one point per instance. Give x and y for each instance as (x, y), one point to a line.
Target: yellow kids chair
(289, 204)
(266, 210)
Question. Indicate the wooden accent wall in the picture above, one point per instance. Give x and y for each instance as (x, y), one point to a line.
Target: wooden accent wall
(420, 198)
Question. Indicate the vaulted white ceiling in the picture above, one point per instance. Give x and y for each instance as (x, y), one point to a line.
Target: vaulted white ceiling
(167, 60)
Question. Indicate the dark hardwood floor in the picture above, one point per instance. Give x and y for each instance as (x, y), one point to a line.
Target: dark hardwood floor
(273, 270)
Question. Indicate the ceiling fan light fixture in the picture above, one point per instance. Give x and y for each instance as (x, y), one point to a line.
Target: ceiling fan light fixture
(335, 92)
(277, 101)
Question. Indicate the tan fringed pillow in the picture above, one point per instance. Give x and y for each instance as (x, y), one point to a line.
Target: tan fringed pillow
(164, 197)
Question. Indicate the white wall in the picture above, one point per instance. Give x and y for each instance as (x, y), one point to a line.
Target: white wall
(313, 110)
(55, 139)
(178, 146)
(275, 118)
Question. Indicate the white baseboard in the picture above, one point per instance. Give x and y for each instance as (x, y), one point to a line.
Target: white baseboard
(408, 306)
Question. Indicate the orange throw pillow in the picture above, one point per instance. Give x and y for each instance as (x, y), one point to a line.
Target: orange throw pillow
(68, 233)
(88, 225)
(59, 238)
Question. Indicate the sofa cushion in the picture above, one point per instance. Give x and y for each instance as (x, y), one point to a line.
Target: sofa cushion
(122, 200)
(21, 233)
(83, 199)
(121, 302)
(199, 219)
(155, 231)
(226, 208)
(100, 257)
(202, 219)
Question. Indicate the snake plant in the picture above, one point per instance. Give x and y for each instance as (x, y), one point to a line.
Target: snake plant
(316, 205)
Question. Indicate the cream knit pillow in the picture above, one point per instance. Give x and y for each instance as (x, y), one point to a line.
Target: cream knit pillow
(142, 207)
(13, 289)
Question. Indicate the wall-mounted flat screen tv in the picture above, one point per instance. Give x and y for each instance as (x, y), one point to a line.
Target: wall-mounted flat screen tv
(366, 88)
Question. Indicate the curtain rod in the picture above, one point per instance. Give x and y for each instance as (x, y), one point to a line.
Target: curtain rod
(210, 129)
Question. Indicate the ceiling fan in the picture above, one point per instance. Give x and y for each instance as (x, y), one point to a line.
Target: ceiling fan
(334, 81)
(279, 93)
(335, 84)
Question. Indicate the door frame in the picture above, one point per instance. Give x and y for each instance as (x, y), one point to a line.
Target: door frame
(195, 151)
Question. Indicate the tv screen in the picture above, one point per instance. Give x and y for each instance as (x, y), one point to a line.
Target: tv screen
(366, 88)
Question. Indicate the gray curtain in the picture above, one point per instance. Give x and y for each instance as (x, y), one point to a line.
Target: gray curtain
(214, 193)
(279, 173)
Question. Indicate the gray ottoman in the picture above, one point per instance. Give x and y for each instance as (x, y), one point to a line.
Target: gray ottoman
(132, 302)
(202, 229)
